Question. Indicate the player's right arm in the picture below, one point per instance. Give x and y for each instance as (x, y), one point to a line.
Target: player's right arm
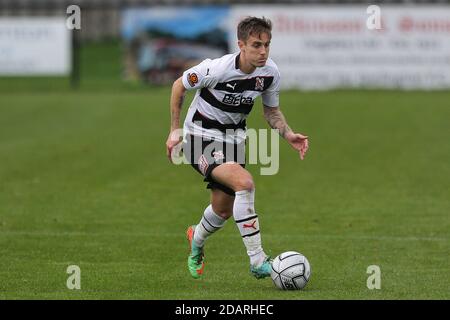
(197, 77)
(176, 102)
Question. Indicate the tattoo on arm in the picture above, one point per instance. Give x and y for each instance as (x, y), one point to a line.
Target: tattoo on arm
(276, 120)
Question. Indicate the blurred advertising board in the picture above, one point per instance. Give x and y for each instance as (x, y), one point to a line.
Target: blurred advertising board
(162, 42)
(34, 46)
(324, 47)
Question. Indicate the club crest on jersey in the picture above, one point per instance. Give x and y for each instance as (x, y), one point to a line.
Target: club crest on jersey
(259, 84)
(192, 79)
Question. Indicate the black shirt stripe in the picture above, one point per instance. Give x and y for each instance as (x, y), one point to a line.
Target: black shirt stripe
(241, 85)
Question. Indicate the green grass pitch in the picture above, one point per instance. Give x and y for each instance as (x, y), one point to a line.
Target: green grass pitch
(84, 180)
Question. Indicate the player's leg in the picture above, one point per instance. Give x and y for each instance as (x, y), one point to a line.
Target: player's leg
(240, 180)
(222, 203)
(213, 219)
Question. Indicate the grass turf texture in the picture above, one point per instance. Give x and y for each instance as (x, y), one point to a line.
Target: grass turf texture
(84, 180)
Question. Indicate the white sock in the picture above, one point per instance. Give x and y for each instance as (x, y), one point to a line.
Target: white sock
(248, 224)
(209, 224)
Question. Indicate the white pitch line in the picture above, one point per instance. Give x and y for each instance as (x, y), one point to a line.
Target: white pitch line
(181, 235)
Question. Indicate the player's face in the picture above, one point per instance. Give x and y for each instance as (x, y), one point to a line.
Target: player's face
(256, 49)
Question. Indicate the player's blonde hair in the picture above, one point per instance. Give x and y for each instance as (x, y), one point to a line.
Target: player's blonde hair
(253, 26)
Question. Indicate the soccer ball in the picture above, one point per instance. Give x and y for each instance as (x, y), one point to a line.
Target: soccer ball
(290, 271)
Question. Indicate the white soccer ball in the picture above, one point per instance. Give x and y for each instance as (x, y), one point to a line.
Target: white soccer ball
(290, 271)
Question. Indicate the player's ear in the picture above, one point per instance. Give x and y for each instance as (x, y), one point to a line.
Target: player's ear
(241, 44)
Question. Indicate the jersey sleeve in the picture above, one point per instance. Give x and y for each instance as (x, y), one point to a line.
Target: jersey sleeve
(271, 96)
(199, 76)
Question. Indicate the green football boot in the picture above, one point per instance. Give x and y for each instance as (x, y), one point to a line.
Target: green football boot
(196, 263)
(264, 270)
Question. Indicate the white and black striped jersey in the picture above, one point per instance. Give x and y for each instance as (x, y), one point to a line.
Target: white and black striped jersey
(225, 96)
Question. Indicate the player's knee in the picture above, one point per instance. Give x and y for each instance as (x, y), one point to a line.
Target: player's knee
(224, 213)
(245, 183)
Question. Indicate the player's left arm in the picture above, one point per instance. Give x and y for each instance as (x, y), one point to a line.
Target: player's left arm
(276, 120)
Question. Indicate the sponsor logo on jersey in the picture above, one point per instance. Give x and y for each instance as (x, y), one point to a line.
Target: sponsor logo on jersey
(236, 99)
(192, 79)
(229, 85)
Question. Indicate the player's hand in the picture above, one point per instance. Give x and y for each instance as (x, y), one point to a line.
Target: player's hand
(299, 142)
(175, 137)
